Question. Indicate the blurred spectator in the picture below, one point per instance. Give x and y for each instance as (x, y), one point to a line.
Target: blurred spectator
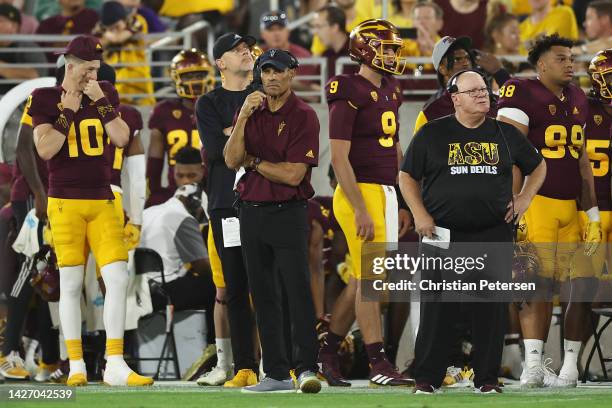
(503, 36)
(402, 13)
(134, 8)
(275, 34)
(121, 36)
(329, 24)
(29, 24)
(10, 19)
(545, 20)
(428, 19)
(597, 27)
(465, 18)
(75, 18)
(353, 18)
(522, 8)
(48, 8)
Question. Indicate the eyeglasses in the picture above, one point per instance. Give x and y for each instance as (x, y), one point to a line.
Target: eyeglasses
(474, 93)
(273, 18)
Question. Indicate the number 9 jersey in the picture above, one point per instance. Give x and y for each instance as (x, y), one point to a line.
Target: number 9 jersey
(556, 129)
(367, 116)
(80, 170)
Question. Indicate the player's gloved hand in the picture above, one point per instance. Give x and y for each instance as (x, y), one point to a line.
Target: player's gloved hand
(131, 235)
(592, 237)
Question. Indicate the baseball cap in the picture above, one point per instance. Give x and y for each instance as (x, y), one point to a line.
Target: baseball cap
(228, 41)
(85, 47)
(112, 11)
(270, 18)
(446, 43)
(10, 12)
(279, 59)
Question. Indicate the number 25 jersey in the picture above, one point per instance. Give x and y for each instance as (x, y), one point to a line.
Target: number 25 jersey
(367, 116)
(81, 169)
(556, 129)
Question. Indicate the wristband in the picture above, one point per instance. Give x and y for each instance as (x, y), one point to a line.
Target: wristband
(64, 121)
(593, 214)
(106, 111)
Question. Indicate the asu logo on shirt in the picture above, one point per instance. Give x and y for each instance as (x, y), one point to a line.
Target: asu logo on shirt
(473, 158)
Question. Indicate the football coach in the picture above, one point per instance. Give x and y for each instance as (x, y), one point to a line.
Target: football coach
(276, 139)
(457, 175)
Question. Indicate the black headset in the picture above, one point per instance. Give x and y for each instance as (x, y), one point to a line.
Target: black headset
(451, 85)
(452, 88)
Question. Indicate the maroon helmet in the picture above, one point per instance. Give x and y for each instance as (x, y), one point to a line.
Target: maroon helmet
(600, 70)
(192, 73)
(368, 42)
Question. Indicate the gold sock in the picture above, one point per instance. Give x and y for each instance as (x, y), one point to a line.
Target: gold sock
(75, 349)
(114, 347)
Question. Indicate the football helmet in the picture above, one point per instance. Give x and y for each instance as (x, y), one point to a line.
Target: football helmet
(192, 73)
(600, 71)
(368, 42)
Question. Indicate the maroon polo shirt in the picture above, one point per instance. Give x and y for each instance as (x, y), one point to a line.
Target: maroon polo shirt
(291, 134)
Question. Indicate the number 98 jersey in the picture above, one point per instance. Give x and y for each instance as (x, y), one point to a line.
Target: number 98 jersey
(367, 116)
(556, 129)
(80, 170)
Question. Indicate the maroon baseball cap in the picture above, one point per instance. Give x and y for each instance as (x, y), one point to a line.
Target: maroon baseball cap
(85, 47)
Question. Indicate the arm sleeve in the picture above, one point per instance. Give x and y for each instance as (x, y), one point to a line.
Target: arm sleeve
(524, 155)
(304, 146)
(416, 156)
(189, 242)
(210, 128)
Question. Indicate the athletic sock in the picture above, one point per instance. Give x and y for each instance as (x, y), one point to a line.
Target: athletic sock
(376, 353)
(331, 344)
(533, 352)
(570, 360)
(224, 353)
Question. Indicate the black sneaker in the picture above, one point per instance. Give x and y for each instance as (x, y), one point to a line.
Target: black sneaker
(426, 389)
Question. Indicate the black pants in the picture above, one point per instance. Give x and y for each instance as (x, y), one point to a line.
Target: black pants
(240, 315)
(20, 299)
(275, 248)
(190, 292)
(437, 326)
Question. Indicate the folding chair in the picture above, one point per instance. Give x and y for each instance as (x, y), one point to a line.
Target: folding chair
(147, 260)
(607, 313)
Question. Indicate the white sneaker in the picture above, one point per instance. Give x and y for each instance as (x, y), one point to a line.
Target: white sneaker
(550, 377)
(12, 367)
(532, 377)
(453, 376)
(216, 376)
(43, 374)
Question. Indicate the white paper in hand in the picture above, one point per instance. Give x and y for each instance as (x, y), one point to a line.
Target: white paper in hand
(231, 232)
(441, 238)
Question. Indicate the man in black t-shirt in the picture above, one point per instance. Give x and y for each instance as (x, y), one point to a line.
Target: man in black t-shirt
(214, 114)
(457, 174)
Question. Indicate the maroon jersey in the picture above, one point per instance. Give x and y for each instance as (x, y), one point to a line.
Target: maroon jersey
(598, 133)
(458, 24)
(131, 116)
(80, 169)
(555, 129)
(366, 116)
(177, 125)
(81, 23)
(290, 134)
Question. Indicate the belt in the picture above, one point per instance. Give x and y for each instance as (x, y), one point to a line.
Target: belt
(279, 204)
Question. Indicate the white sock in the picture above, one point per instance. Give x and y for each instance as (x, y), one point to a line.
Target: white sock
(533, 352)
(71, 286)
(77, 366)
(115, 277)
(570, 360)
(224, 353)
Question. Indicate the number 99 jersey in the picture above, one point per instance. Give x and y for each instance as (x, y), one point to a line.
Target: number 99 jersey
(556, 129)
(367, 116)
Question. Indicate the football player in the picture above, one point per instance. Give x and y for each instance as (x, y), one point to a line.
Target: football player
(365, 155)
(586, 271)
(74, 126)
(552, 112)
(172, 122)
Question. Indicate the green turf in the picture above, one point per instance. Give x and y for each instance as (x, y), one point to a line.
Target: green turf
(187, 397)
